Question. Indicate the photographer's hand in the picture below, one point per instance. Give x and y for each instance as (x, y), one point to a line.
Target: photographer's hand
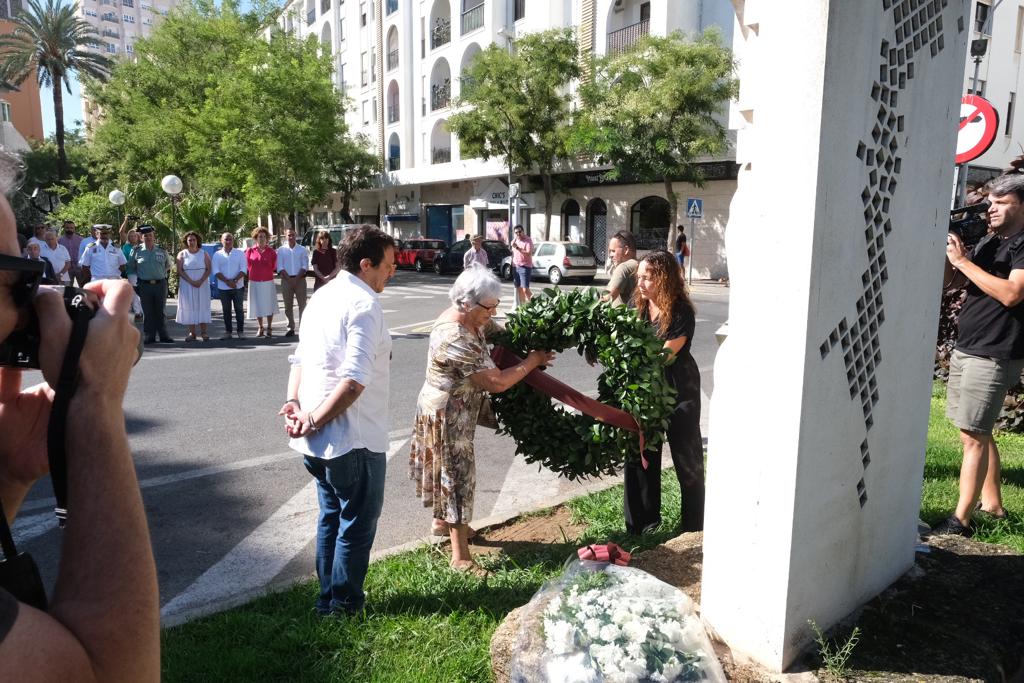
(956, 252)
(23, 420)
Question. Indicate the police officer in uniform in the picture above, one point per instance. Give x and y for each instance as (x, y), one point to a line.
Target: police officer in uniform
(151, 264)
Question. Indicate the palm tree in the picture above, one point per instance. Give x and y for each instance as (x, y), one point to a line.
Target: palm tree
(53, 42)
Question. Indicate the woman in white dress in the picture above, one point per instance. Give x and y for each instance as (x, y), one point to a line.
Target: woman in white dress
(194, 267)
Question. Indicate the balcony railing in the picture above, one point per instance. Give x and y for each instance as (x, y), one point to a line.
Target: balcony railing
(472, 19)
(440, 95)
(466, 85)
(390, 7)
(392, 113)
(394, 163)
(624, 38)
(440, 155)
(392, 60)
(325, 6)
(441, 34)
(310, 16)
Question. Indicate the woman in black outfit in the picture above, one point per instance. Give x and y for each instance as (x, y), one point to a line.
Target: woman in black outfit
(660, 298)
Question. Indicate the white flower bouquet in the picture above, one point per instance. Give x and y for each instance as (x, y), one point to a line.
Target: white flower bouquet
(599, 622)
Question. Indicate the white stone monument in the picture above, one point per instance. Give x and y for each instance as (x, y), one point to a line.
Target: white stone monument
(848, 115)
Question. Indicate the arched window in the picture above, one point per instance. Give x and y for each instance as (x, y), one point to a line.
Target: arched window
(392, 54)
(597, 228)
(440, 85)
(440, 143)
(465, 83)
(440, 24)
(571, 221)
(648, 220)
(394, 153)
(392, 100)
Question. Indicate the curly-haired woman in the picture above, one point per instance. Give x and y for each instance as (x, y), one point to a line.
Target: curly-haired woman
(194, 268)
(660, 298)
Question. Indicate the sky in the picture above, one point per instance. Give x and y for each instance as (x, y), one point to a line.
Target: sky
(72, 108)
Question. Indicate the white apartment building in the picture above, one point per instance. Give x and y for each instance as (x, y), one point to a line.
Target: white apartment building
(1000, 79)
(400, 62)
(118, 24)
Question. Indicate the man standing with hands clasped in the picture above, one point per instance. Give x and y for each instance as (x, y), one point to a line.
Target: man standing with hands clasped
(989, 353)
(337, 412)
(229, 269)
(292, 264)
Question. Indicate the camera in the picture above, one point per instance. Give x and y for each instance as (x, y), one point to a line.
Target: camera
(21, 348)
(971, 226)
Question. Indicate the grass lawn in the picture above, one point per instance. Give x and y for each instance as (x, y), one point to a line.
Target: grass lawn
(942, 471)
(426, 623)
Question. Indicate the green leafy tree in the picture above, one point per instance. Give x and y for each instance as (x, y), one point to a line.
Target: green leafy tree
(351, 167)
(654, 110)
(51, 42)
(516, 106)
(232, 113)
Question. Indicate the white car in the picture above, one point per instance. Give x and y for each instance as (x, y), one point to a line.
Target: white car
(555, 261)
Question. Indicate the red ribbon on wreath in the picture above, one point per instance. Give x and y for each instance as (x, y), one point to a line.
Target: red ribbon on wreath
(608, 552)
(560, 391)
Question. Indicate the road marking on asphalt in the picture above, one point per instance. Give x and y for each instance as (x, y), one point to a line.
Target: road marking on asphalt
(174, 353)
(399, 436)
(250, 567)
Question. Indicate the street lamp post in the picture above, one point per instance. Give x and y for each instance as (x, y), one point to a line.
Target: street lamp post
(171, 184)
(117, 198)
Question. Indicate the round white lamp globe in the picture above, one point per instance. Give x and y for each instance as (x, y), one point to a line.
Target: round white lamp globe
(116, 197)
(171, 184)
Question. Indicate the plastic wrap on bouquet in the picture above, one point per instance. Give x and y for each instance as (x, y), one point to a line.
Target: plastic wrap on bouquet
(599, 622)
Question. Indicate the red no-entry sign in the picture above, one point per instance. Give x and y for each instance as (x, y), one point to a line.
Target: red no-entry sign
(979, 122)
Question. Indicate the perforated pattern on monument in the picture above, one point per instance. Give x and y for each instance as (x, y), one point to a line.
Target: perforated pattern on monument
(917, 34)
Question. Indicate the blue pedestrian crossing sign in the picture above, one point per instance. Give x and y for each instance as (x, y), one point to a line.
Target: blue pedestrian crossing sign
(694, 208)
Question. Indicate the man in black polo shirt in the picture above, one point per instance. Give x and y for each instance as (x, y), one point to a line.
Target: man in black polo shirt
(989, 353)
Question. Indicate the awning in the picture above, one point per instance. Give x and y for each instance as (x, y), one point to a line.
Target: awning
(398, 217)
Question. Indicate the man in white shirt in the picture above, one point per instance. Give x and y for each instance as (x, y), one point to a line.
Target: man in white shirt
(88, 242)
(337, 412)
(103, 260)
(57, 255)
(229, 270)
(475, 253)
(292, 264)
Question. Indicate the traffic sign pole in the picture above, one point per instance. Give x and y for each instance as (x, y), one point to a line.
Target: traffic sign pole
(693, 233)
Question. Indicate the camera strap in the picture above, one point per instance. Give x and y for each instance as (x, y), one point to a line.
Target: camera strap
(56, 432)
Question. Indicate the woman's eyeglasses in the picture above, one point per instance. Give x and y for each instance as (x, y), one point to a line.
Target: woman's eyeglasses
(491, 309)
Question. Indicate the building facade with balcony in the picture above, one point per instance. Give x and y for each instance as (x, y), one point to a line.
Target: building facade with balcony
(118, 24)
(1000, 79)
(401, 64)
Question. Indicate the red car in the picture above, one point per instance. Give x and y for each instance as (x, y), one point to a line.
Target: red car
(419, 253)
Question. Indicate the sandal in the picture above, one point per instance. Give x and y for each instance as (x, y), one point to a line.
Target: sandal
(444, 530)
(260, 333)
(470, 567)
(190, 338)
(206, 337)
(979, 512)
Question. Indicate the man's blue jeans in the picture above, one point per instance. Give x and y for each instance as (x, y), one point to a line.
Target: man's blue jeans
(351, 493)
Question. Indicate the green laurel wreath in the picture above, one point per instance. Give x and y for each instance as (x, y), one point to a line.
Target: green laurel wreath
(569, 443)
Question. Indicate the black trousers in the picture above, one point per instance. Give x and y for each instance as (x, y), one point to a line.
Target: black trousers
(229, 298)
(643, 487)
(154, 303)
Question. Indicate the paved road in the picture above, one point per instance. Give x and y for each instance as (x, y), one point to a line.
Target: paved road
(231, 509)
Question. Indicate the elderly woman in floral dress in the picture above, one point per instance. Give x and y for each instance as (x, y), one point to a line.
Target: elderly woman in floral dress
(460, 374)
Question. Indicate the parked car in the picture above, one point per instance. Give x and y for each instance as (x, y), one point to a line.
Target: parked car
(336, 232)
(556, 261)
(419, 253)
(450, 259)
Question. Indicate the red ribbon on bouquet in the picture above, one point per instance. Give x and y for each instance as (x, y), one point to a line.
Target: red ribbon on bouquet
(610, 552)
(560, 391)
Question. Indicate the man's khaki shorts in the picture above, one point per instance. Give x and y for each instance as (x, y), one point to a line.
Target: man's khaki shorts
(976, 389)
